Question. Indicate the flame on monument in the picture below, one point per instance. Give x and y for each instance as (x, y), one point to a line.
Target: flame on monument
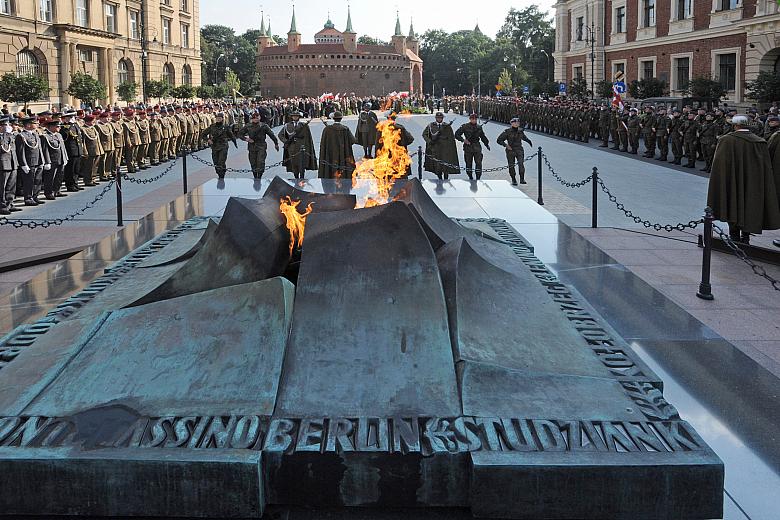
(391, 162)
(296, 221)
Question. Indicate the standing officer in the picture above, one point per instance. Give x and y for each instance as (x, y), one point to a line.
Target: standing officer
(92, 158)
(218, 135)
(142, 149)
(512, 140)
(8, 166)
(676, 132)
(132, 139)
(648, 127)
(708, 137)
(155, 139)
(690, 131)
(119, 139)
(470, 134)
(74, 146)
(295, 136)
(107, 166)
(366, 130)
(31, 160)
(634, 129)
(604, 126)
(56, 157)
(623, 118)
(662, 134)
(255, 133)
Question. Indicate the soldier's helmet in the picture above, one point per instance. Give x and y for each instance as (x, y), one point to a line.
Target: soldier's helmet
(337, 116)
(439, 114)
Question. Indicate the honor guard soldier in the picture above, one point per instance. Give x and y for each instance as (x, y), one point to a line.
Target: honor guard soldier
(31, 160)
(142, 149)
(155, 139)
(708, 137)
(165, 125)
(690, 129)
(648, 127)
(256, 133)
(512, 140)
(441, 153)
(107, 166)
(295, 136)
(676, 133)
(74, 145)
(92, 158)
(8, 166)
(132, 139)
(337, 160)
(56, 157)
(661, 129)
(218, 135)
(366, 130)
(470, 134)
(119, 140)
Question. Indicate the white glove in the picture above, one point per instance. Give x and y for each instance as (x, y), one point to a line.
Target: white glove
(47, 167)
(26, 169)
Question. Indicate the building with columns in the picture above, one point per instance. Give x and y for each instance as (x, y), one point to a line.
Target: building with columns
(672, 40)
(336, 63)
(115, 41)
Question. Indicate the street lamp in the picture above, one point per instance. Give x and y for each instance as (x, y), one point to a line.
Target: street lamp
(591, 38)
(548, 64)
(216, 69)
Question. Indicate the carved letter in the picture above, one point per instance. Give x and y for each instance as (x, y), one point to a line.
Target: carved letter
(280, 435)
(339, 433)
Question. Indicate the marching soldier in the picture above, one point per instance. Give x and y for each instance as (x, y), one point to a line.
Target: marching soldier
(218, 135)
(8, 166)
(56, 157)
(441, 153)
(31, 161)
(255, 134)
(295, 136)
(512, 140)
(470, 134)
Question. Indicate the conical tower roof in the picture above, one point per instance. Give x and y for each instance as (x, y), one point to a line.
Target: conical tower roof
(412, 36)
(293, 25)
(397, 25)
(262, 24)
(268, 30)
(349, 22)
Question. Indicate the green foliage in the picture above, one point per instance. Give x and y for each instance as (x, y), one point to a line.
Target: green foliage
(232, 82)
(240, 53)
(704, 86)
(157, 88)
(22, 89)
(765, 88)
(604, 89)
(647, 88)
(370, 40)
(220, 92)
(183, 92)
(454, 58)
(545, 88)
(205, 92)
(505, 82)
(578, 88)
(86, 88)
(127, 91)
(278, 40)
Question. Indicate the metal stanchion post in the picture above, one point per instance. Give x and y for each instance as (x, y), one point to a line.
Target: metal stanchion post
(184, 169)
(539, 199)
(119, 197)
(705, 288)
(419, 162)
(302, 163)
(594, 211)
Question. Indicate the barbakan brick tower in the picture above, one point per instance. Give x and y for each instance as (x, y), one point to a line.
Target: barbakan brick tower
(336, 63)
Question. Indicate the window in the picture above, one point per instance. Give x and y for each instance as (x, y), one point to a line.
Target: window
(85, 55)
(5, 7)
(82, 13)
(186, 75)
(647, 69)
(727, 71)
(649, 14)
(682, 68)
(46, 10)
(110, 10)
(125, 72)
(683, 9)
(727, 5)
(580, 25)
(620, 20)
(169, 76)
(166, 2)
(185, 6)
(132, 16)
(578, 72)
(166, 26)
(27, 64)
(185, 35)
(618, 67)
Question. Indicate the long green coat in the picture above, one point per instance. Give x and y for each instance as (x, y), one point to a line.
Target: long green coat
(336, 154)
(294, 137)
(774, 154)
(440, 144)
(743, 189)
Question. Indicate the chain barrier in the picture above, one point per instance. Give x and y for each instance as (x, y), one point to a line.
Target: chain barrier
(566, 183)
(484, 170)
(242, 170)
(342, 167)
(757, 269)
(150, 180)
(45, 223)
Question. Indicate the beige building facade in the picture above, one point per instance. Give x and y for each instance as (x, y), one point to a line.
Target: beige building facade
(112, 40)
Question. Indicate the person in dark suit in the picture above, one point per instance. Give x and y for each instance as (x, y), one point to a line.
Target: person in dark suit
(56, 157)
(8, 166)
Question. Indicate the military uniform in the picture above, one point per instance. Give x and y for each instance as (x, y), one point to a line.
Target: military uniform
(132, 139)
(74, 145)
(89, 165)
(512, 140)
(296, 136)
(107, 166)
(142, 149)
(155, 140)
(470, 134)
(676, 133)
(690, 130)
(8, 166)
(56, 157)
(662, 136)
(218, 135)
(31, 161)
(255, 134)
(708, 137)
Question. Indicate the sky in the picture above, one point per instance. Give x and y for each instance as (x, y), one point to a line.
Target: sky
(371, 17)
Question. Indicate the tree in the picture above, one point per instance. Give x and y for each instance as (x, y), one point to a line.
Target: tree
(183, 92)
(505, 82)
(157, 88)
(278, 40)
(22, 89)
(240, 53)
(86, 88)
(704, 86)
(205, 92)
(232, 82)
(220, 92)
(765, 88)
(127, 91)
(604, 89)
(370, 40)
(578, 88)
(647, 88)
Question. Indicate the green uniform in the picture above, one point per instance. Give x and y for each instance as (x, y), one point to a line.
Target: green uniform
(218, 136)
(255, 134)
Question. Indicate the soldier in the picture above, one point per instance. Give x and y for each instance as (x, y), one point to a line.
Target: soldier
(31, 160)
(366, 130)
(634, 129)
(662, 134)
(336, 156)
(604, 126)
(119, 140)
(676, 133)
(708, 137)
(441, 153)
(174, 143)
(470, 134)
(296, 137)
(584, 125)
(56, 157)
(690, 131)
(255, 134)
(142, 150)
(132, 139)
(74, 146)
(648, 128)
(623, 118)
(155, 139)
(105, 129)
(94, 149)
(512, 140)
(218, 135)
(165, 136)
(8, 166)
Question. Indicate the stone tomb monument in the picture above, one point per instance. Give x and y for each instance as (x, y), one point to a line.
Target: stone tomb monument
(399, 362)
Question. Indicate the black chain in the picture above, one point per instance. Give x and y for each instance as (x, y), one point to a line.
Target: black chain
(45, 223)
(693, 224)
(484, 170)
(563, 181)
(150, 180)
(240, 170)
(757, 269)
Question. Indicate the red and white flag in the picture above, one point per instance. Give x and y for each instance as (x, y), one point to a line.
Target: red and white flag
(617, 101)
